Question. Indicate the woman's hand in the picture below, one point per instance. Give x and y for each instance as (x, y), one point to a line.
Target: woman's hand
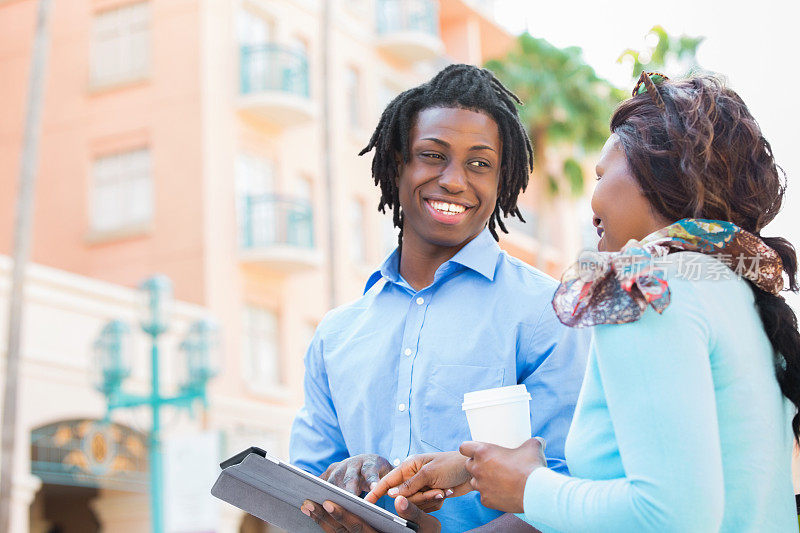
(332, 518)
(500, 474)
(356, 474)
(425, 479)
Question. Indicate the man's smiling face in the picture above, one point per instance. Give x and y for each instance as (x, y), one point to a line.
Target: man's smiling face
(448, 188)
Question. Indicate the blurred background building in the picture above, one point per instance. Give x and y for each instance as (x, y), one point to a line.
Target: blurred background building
(189, 138)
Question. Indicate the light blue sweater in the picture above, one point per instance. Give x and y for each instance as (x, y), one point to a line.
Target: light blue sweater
(680, 425)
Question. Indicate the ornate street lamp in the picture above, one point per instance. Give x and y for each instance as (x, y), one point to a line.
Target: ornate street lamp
(113, 366)
(111, 357)
(155, 301)
(200, 348)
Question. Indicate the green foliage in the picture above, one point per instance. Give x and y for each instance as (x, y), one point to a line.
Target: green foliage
(574, 175)
(565, 101)
(668, 51)
(553, 186)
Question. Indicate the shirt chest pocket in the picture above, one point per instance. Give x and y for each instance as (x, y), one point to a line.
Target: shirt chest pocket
(444, 424)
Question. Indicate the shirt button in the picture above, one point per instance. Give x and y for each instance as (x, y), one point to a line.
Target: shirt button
(401, 407)
(396, 462)
(420, 300)
(408, 351)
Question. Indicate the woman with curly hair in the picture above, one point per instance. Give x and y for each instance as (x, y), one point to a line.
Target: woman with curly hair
(689, 407)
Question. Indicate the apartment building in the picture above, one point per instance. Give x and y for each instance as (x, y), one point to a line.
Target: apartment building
(187, 137)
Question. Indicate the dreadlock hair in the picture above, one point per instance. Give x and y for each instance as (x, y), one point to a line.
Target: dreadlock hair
(456, 86)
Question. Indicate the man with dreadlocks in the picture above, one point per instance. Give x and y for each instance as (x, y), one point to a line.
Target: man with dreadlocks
(447, 313)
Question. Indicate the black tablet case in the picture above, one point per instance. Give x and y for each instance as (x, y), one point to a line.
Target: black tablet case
(273, 491)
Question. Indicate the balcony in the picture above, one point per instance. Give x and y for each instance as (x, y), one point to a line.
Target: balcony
(278, 233)
(274, 84)
(409, 29)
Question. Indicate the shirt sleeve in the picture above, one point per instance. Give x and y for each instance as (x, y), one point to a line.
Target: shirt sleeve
(552, 364)
(656, 374)
(316, 439)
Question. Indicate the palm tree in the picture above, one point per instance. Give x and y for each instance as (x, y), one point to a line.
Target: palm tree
(566, 103)
(669, 53)
(566, 106)
(22, 246)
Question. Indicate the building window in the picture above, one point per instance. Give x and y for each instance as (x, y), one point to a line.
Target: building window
(120, 44)
(358, 241)
(260, 342)
(122, 195)
(353, 95)
(254, 34)
(252, 29)
(255, 185)
(255, 175)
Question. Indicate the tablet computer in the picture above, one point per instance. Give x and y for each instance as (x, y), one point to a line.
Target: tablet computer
(273, 491)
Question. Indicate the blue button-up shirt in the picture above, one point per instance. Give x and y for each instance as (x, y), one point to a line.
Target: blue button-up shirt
(387, 374)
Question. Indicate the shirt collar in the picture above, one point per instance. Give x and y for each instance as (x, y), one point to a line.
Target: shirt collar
(480, 255)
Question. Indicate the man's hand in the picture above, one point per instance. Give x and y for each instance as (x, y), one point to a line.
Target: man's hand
(425, 479)
(500, 474)
(356, 474)
(332, 518)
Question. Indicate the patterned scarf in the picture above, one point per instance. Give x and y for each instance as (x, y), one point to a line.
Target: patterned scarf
(615, 288)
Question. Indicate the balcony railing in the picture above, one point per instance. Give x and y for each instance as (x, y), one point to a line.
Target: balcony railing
(274, 83)
(278, 231)
(417, 16)
(409, 29)
(272, 67)
(270, 220)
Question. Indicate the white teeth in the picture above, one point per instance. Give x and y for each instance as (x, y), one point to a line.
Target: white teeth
(447, 208)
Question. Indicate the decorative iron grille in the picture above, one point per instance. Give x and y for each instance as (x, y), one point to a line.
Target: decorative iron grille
(90, 453)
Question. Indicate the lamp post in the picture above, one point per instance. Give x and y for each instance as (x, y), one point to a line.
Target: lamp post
(114, 367)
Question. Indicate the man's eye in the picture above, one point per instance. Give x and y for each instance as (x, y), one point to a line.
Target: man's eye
(433, 155)
(482, 164)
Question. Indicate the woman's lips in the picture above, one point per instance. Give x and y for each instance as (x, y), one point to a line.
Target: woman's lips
(600, 233)
(597, 222)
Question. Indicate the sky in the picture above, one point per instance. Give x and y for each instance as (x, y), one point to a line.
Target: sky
(753, 44)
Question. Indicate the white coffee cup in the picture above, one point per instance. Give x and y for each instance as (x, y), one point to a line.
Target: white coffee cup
(499, 416)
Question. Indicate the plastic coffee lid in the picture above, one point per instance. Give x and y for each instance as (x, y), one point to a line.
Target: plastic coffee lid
(487, 397)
